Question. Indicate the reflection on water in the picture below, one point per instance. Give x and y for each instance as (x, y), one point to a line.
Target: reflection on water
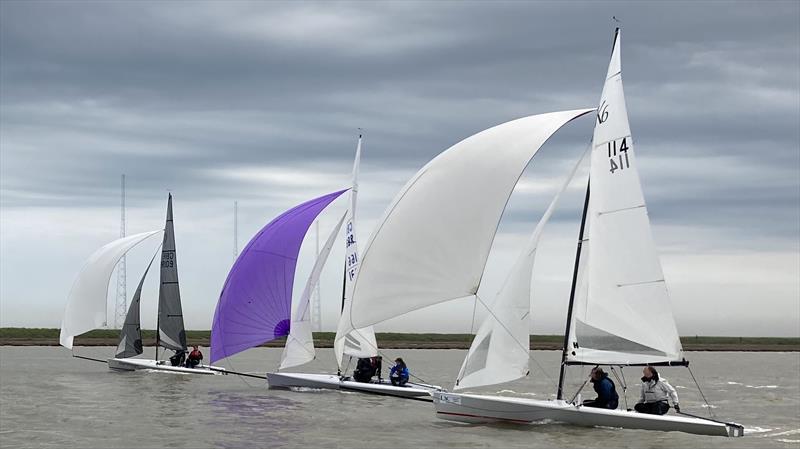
(48, 399)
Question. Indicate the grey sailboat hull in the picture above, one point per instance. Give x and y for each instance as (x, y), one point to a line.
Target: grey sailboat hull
(131, 364)
(334, 382)
(484, 409)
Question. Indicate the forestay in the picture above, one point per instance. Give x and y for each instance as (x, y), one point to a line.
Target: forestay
(622, 312)
(256, 300)
(358, 342)
(299, 348)
(130, 336)
(501, 348)
(171, 332)
(86, 304)
(432, 243)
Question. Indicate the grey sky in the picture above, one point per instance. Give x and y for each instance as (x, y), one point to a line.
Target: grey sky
(260, 102)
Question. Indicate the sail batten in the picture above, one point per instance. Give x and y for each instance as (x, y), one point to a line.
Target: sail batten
(255, 304)
(622, 312)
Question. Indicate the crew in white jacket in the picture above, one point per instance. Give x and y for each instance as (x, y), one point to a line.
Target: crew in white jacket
(656, 393)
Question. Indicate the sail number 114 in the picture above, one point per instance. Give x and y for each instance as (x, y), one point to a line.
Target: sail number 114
(618, 155)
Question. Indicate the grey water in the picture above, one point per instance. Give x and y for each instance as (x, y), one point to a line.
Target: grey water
(49, 399)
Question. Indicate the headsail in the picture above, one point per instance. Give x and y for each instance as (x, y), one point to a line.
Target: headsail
(86, 304)
(171, 333)
(130, 336)
(500, 350)
(299, 347)
(256, 300)
(358, 342)
(432, 244)
(621, 313)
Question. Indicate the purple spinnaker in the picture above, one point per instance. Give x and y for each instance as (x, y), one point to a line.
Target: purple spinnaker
(255, 305)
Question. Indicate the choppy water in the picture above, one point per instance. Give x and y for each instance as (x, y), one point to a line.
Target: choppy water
(48, 399)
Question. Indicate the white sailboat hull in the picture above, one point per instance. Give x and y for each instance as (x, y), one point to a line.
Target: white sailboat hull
(333, 382)
(131, 364)
(481, 409)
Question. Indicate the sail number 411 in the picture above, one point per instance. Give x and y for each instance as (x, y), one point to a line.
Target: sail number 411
(618, 154)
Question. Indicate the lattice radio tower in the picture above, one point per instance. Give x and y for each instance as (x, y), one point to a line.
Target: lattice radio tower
(316, 300)
(121, 308)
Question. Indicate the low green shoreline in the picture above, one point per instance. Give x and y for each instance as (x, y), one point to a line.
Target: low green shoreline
(18, 336)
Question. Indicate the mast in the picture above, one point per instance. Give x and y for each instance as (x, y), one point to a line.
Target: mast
(344, 285)
(562, 372)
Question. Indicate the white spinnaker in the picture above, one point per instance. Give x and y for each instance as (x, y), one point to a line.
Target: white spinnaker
(86, 304)
(622, 313)
(299, 347)
(358, 342)
(432, 243)
(501, 347)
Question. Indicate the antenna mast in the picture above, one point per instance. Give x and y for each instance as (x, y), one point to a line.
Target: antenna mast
(316, 310)
(121, 308)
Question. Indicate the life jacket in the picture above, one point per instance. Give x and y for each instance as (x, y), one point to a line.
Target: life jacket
(609, 397)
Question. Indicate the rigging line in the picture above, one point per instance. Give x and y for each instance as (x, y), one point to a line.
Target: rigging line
(708, 406)
(572, 401)
(474, 309)
(622, 373)
(621, 382)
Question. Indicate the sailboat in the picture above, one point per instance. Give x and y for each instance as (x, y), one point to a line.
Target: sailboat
(619, 311)
(251, 312)
(86, 305)
(358, 343)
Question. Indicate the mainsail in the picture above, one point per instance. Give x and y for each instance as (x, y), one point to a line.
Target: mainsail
(501, 347)
(299, 347)
(256, 300)
(130, 336)
(432, 243)
(621, 311)
(358, 342)
(171, 333)
(86, 304)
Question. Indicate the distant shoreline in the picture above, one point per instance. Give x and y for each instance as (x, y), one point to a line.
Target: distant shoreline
(12, 336)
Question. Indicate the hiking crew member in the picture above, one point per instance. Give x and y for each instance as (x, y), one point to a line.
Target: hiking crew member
(194, 357)
(399, 373)
(607, 396)
(366, 368)
(178, 358)
(656, 393)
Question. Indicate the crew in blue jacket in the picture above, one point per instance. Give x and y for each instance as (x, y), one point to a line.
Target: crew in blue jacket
(607, 396)
(399, 373)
